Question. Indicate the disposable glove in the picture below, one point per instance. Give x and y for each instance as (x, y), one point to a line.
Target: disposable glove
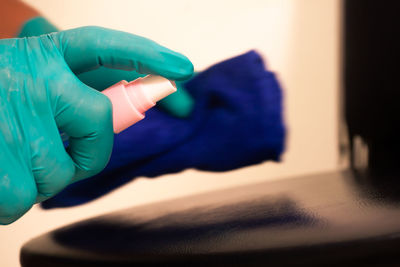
(41, 95)
(179, 104)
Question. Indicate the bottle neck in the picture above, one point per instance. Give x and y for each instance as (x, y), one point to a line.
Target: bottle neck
(137, 96)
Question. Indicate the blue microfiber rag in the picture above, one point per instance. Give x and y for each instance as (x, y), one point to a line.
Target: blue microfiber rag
(236, 121)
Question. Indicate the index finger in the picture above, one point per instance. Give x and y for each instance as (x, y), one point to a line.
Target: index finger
(88, 48)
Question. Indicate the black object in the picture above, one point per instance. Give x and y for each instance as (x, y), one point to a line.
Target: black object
(312, 220)
(333, 219)
(372, 87)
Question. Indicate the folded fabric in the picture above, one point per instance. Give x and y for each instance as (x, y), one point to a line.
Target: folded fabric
(236, 121)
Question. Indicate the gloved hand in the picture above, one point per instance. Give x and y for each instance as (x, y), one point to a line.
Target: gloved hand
(237, 121)
(179, 104)
(40, 95)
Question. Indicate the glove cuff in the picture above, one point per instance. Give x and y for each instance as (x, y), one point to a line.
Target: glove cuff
(36, 26)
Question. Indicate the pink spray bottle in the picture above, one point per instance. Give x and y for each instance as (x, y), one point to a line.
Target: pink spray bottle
(131, 100)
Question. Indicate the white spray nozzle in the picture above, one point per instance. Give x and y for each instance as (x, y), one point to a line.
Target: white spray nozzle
(157, 87)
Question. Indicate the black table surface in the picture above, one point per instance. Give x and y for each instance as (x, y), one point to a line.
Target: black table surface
(334, 218)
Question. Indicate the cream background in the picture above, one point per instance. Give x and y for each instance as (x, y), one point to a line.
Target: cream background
(300, 41)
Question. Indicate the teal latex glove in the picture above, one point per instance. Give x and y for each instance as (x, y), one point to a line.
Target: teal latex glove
(179, 104)
(40, 94)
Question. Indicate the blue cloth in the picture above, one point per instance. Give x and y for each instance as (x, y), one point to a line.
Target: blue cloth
(236, 121)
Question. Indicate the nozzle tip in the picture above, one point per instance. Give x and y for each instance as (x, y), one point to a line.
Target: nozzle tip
(157, 87)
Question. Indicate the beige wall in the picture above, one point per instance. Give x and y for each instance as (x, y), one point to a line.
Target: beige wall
(300, 41)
